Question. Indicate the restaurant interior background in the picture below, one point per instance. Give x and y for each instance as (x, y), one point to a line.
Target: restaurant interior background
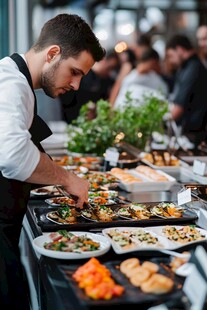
(115, 22)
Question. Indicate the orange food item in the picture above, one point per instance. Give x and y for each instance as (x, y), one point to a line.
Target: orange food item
(96, 280)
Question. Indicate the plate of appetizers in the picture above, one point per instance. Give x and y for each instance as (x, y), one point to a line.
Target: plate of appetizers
(63, 215)
(105, 194)
(101, 201)
(134, 211)
(171, 237)
(60, 201)
(129, 239)
(100, 213)
(45, 191)
(65, 244)
(181, 235)
(167, 210)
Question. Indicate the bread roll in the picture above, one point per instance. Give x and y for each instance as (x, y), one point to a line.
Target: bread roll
(140, 276)
(153, 268)
(157, 284)
(151, 173)
(129, 264)
(124, 176)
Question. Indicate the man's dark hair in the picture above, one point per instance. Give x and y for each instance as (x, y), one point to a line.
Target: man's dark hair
(149, 54)
(180, 40)
(144, 40)
(72, 34)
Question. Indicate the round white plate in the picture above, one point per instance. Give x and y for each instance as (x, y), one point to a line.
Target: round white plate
(38, 244)
(50, 191)
(50, 202)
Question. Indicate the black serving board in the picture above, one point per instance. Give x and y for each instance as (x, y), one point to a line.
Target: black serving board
(132, 295)
(39, 215)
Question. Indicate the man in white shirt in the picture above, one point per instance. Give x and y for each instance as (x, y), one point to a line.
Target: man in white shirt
(144, 79)
(64, 52)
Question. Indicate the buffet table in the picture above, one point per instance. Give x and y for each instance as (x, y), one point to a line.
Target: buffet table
(50, 281)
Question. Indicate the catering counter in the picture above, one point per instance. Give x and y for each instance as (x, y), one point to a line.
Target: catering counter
(50, 281)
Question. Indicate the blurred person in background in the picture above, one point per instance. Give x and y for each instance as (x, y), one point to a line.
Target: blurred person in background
(201, 36)
(168, 72)
(128, 62)
(143, 43)
(145, 78)
(95, 85)
(64, 52)
(189, 95)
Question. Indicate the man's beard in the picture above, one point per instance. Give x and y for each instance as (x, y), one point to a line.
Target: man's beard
(48, 80)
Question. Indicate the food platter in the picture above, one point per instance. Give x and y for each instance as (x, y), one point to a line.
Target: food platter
(106, 194)
(162, 161)
(45, 191)
(132, 297)
(58, 201)
(39, 245)
(129, 239)
(142, 183)
(84, 221)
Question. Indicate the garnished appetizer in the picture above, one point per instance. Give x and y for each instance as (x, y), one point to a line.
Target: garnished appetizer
(135, 211)
(133, 238)
(183, 234)
(98, 180)
(167, 209)
(63, 201)
(64, 215)
(100, 213)
(65, 241)
(104, 194)
(104, 213)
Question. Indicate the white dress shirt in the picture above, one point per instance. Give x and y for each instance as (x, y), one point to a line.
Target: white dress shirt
(139, 85)
(18, 154)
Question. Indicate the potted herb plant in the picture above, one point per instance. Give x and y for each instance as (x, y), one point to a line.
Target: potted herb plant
(133, 124)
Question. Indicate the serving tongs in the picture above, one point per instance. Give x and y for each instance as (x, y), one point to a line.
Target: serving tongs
(63, 192)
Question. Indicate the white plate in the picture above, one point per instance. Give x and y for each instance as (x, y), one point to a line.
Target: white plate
(156, 231)
(163, 243)
(146, 184)
(177, 245)
(108, 202)
(38, 244)
(50, 191)
(56, 221)
(50, 202)
(111, 194)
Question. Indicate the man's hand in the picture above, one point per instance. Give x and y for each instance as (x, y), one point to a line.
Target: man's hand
(78, 187)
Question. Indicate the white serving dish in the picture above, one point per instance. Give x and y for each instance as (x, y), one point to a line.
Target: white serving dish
(156, 231)
(196, 177)
(147, 185)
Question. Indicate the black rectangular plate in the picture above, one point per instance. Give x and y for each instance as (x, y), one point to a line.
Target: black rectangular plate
(132, 294)
(39, 216)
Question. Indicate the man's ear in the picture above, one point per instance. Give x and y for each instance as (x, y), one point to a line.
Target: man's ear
(52, 52)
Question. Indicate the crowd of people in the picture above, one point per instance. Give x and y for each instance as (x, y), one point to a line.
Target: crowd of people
(179, 78)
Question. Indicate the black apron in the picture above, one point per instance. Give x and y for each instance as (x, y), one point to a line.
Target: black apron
(13, 205)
